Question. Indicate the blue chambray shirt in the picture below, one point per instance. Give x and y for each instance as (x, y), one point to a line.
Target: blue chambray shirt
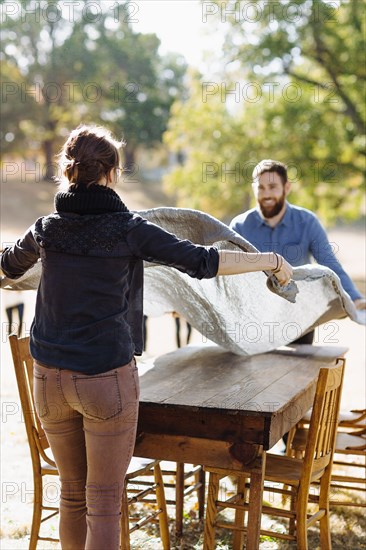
(298, 237)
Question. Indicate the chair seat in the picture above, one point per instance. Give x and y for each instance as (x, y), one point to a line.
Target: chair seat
(282, 469)
(48, 469)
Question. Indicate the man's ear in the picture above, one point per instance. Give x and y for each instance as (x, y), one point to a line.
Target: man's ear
(287, 188)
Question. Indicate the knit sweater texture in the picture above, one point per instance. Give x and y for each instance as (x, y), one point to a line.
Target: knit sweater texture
(89, 307)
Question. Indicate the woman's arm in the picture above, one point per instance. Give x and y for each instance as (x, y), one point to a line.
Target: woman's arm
(152, 243)
(17, 259)
(233, 262)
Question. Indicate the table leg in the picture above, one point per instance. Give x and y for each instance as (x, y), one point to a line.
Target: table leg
(255, 504)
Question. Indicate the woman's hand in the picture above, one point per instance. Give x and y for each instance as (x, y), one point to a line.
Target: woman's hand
(283, 271)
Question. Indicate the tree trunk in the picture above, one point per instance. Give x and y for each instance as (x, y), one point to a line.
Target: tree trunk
(129, 159)
(49, 169)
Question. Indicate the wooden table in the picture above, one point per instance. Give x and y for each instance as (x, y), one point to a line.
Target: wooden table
(204, 405)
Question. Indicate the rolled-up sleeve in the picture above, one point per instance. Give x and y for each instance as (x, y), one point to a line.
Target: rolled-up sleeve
(17, 259)
(151, 243)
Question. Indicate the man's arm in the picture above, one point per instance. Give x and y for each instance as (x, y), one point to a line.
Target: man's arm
(324, 254)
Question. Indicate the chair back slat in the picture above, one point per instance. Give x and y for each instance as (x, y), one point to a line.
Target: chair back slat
(322, 446)
(333, 405)
(321, 430)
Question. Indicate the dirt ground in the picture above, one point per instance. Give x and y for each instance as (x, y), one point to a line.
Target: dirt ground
(21, 203)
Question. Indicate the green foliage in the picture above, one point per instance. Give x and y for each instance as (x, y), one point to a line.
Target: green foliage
(293, 90)
(68, 67)
(15, 120)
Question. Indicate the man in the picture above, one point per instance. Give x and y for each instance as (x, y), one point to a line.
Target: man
(292, 231)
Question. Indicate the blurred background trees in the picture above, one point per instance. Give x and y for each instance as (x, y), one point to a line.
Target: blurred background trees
(290, 85)
(63, 64)
(292, 88)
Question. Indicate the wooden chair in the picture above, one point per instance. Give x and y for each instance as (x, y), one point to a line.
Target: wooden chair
(349, 457)
(349, 469)
(296, 473)
(355, 419)
(183, 479)
(183, 472)
(43, 465)
(137, 490)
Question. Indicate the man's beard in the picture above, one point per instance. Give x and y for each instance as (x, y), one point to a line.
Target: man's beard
(272, 211)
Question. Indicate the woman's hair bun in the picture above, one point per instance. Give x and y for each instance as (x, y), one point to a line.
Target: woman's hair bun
(89, 154)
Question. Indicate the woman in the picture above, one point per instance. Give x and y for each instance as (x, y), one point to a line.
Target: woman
(88, 328)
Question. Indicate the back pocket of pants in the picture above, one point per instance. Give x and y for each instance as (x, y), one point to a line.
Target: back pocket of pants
(99, 396)
(39, 394)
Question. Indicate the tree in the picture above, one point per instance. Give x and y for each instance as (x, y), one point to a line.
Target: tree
(35, 40)
(138, 86)
(291, 88)
(318, 44)
(84, 63)
(13, 132)
(219, 148)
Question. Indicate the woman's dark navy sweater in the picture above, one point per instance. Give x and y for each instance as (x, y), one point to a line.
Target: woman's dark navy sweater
(89, 305)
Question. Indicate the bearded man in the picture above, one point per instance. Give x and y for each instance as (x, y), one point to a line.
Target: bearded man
(292, 231)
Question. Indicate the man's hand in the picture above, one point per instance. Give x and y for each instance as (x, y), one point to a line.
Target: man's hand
(360, 303)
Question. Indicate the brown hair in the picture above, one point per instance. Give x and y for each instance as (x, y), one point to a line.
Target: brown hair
(89, 153)
(269, 165)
